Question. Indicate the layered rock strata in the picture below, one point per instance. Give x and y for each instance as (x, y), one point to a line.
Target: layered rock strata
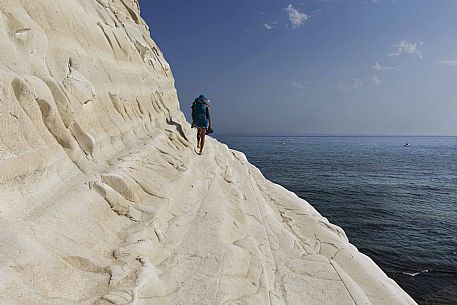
(104, 201)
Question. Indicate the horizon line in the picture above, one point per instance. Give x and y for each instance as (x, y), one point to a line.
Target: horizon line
(333, 135)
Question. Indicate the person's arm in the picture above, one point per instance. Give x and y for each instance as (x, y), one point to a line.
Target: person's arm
(193, 113)
(208, 117)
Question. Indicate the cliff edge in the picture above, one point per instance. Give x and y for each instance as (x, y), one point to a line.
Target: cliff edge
(104, 201)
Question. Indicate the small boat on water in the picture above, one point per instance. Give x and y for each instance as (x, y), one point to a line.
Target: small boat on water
(406, 144)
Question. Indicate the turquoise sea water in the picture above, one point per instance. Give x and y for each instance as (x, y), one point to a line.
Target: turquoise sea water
(396, 203)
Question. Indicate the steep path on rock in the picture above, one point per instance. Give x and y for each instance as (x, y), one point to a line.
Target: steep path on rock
(225, 235)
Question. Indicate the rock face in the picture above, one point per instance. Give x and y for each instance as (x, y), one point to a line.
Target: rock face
(104, 201)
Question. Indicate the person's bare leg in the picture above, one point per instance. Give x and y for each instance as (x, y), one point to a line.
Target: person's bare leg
(198, 137)
(202, 132)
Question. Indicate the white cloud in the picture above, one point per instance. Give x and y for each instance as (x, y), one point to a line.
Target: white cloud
(378, 67)
(268, 26)
(376, 81)
(449, 62)
(356, 83)
(406, 47)
(296, 18)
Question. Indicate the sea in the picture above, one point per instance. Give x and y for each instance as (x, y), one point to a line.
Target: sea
(395, 197)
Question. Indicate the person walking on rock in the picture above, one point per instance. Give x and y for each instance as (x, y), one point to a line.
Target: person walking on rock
(201, 120)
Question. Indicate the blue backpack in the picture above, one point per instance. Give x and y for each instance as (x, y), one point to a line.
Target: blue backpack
(199, 109)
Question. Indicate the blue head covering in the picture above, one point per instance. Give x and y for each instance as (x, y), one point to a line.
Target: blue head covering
(202, 97)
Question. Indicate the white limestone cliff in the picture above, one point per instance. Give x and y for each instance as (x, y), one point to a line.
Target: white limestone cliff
(104, 201)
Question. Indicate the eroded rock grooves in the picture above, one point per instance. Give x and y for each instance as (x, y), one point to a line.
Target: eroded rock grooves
(104, 201)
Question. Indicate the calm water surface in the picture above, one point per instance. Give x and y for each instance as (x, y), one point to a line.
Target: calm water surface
(397, 204)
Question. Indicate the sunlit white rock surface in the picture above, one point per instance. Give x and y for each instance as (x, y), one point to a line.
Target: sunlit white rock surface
(104, 201)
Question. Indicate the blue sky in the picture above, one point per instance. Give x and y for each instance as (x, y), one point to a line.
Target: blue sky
(314, 67)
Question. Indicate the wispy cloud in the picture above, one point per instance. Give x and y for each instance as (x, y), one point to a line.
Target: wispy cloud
(302, 84)
(377, 81)
(355, 84)
(268, 26)
(449, 62)
(296, 17)
(379, 1)
(406, 47)
(378, 67)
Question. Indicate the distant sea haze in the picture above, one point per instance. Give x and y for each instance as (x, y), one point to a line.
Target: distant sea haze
(397, 203)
